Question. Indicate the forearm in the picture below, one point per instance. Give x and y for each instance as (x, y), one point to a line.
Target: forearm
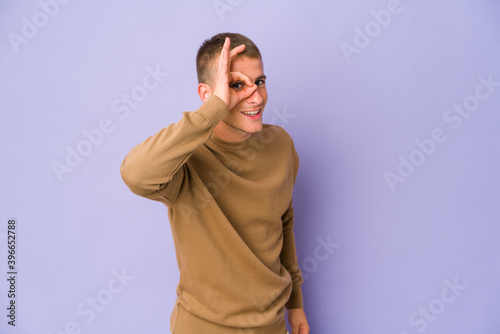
(152, 164)
(289, 259)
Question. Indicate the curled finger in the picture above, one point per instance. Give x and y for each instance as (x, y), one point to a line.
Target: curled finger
(241, 78)
(248, 91)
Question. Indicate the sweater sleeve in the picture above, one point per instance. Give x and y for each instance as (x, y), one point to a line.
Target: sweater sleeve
(153, 168)
(289, 259)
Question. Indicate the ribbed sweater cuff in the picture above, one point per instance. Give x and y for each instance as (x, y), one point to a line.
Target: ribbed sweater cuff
(295, 300)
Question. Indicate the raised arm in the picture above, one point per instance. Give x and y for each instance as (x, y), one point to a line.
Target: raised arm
(151, 166)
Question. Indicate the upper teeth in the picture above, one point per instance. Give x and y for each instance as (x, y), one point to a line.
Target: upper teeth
(251, 113)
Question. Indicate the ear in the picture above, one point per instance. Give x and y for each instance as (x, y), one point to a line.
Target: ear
(204, 91)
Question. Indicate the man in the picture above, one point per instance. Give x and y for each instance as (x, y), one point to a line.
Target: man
(227, 181)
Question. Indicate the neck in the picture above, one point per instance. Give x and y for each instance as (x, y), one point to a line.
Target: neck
(230, 134)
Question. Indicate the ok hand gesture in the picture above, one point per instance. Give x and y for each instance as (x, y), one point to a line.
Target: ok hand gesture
(224, 78)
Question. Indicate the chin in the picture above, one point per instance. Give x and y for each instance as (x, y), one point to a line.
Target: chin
(254, 128)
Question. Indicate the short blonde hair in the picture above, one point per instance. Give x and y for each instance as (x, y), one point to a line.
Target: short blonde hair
(211, 48)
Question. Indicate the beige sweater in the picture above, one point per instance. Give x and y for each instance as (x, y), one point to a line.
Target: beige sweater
(230, 210)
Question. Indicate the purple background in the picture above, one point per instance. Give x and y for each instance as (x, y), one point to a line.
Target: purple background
(377, 258)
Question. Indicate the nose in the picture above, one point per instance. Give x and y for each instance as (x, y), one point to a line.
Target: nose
(256, 97)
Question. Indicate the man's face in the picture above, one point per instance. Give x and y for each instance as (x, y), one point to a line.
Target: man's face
(246, 116)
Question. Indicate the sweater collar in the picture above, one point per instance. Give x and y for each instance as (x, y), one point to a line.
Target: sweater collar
(231, 145)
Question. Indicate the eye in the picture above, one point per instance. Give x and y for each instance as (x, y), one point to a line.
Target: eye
(260, 82)
(238, 85)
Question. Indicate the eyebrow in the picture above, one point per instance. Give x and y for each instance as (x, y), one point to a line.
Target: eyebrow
(260, 77)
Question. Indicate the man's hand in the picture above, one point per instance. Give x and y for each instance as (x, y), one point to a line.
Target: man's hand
(224, 77)
(298, 321)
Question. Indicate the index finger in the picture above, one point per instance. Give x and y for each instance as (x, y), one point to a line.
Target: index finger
(223, 58)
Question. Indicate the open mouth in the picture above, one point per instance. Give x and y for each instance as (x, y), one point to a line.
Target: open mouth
(251, 112)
